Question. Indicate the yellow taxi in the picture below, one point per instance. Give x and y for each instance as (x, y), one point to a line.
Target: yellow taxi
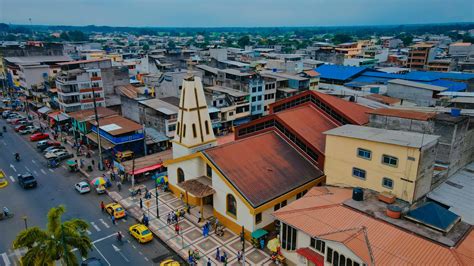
(169, 262)
(141, 233)
(115, 209)
(3, 179)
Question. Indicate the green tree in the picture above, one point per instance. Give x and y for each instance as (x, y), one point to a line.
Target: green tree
(45, 247)
(407, 39)
(341, 38)
(146, 47)
(243, 41)
(171, 44)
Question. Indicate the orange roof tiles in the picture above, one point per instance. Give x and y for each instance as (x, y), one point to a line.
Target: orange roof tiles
(262, 167)
(312, 73)
(382, 99)
(353, 111)
(389, 244)
(309, 123)
(408, 114)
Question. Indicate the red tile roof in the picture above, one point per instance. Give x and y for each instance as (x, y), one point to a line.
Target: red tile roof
(408, 114)
(309, 123)
(353, 111)
(319, 217)
(263, 167)
(88, 114)
(382, 99)
(312, 73)
(125, 125)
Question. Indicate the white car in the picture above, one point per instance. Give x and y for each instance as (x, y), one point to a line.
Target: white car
(82, 187)
(53, 153)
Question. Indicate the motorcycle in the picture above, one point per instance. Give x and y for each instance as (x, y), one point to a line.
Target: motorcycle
(17, 157)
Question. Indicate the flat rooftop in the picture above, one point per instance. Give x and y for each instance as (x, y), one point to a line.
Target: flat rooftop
(373, 207)
(394, 137)
(226, 90)
(161, 106)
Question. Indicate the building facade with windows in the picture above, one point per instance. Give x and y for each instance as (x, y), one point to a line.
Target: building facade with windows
(397, 162)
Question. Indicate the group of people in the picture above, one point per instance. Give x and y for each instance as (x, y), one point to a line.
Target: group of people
(206, 229)
(174, 216)
(193, 257)
(221, 257)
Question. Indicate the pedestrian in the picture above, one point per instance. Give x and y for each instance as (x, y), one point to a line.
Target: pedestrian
(216, 223)
(119, 185)
(218, 254)
(113, 219)
(177, 215)
(82, 162)
(262, 243)
(176, 228)
(199, 217)
(92, 162)
(102, 206)
(224, 257)
(187, 205)
(141, 203)
(209, 263)
(204, 231)
(239, 256)
(168, 219)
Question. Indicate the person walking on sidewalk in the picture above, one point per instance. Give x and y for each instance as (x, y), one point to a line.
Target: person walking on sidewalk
(113, 220)
(119, 185)
(176, 228)
(102, 206)
(141, 203)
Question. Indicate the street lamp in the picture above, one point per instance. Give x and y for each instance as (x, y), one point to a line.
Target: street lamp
(25, 219)
(156, 199)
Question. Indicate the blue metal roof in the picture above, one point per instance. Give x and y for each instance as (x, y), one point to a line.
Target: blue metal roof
(450, 85)
(338, 72)
(383, 75)
(434, 216)
(431, 75)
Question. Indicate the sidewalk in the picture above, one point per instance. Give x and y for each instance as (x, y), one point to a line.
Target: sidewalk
(190, 236)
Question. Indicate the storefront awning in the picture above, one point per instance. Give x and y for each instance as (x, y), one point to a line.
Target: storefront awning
(146, 169)
(58, 116)
(146, 163)
(311, 255)
(104, 142)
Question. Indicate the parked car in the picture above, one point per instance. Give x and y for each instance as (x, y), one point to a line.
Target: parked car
(27, 181)
(53, 149)
(59, 155)
(82, 187)
(6, 113)
(19, 127)
(19, 121)
(25, 122)
(14, 120)
(39, 136)
(29, 130)
(11, 116)
(43, 144)
(52, 153)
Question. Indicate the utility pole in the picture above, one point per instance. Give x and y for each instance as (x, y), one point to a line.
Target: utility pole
(133, 171)
(144, 141)
(242, 238)
(156, 199)
(101, 159)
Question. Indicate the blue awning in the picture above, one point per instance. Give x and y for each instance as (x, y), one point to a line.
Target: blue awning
(241, 121)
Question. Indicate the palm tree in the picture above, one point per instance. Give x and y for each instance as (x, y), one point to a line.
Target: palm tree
(56, 242)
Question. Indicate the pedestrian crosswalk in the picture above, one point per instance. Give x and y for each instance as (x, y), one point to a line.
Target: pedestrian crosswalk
(12, 257)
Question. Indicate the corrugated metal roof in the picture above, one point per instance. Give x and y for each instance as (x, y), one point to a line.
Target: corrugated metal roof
(457, 193)
(431, 75)
(126, 125)
(317, 216)
(338, 72)
(352, 111)
(270, 167)
(416, 85)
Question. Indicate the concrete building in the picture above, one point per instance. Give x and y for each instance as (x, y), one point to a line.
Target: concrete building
(420, 93)
(456, 143)
(160, 115)
(398, 162)
(461, 50)
(419, 55)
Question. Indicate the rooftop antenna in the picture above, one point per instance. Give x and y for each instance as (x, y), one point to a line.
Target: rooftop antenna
(32, 31)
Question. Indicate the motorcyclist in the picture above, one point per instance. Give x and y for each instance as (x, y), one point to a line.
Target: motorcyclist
(119, 236)
(4, 129)
(17, 156)
(6, 211)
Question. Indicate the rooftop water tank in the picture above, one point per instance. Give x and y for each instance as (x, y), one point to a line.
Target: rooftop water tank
(358, 194)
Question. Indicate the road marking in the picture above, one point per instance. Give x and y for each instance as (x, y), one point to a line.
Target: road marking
(121, 254)
(104, 223)
(146, 258)
(139, 252)
(12, 179)
(89, 232)
(51, 170)
(134, 246)
(5, 259)
(95, 226)
(27, 169)
(103, 238)
(13, 167)
(36, 173)
(102, 255)
(64, 167)
(43, 171)
(33, 161)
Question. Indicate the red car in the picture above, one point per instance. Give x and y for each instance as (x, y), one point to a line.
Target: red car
(19, 127)
(38, 136)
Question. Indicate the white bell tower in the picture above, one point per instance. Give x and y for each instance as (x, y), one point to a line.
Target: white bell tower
(194, 127)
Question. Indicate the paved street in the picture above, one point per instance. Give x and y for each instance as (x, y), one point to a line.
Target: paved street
(55, 187)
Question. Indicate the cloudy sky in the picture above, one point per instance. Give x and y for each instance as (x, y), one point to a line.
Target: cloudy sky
(222, 13)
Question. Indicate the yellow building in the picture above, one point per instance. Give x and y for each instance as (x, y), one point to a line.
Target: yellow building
(240, 183)
(381, 160)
